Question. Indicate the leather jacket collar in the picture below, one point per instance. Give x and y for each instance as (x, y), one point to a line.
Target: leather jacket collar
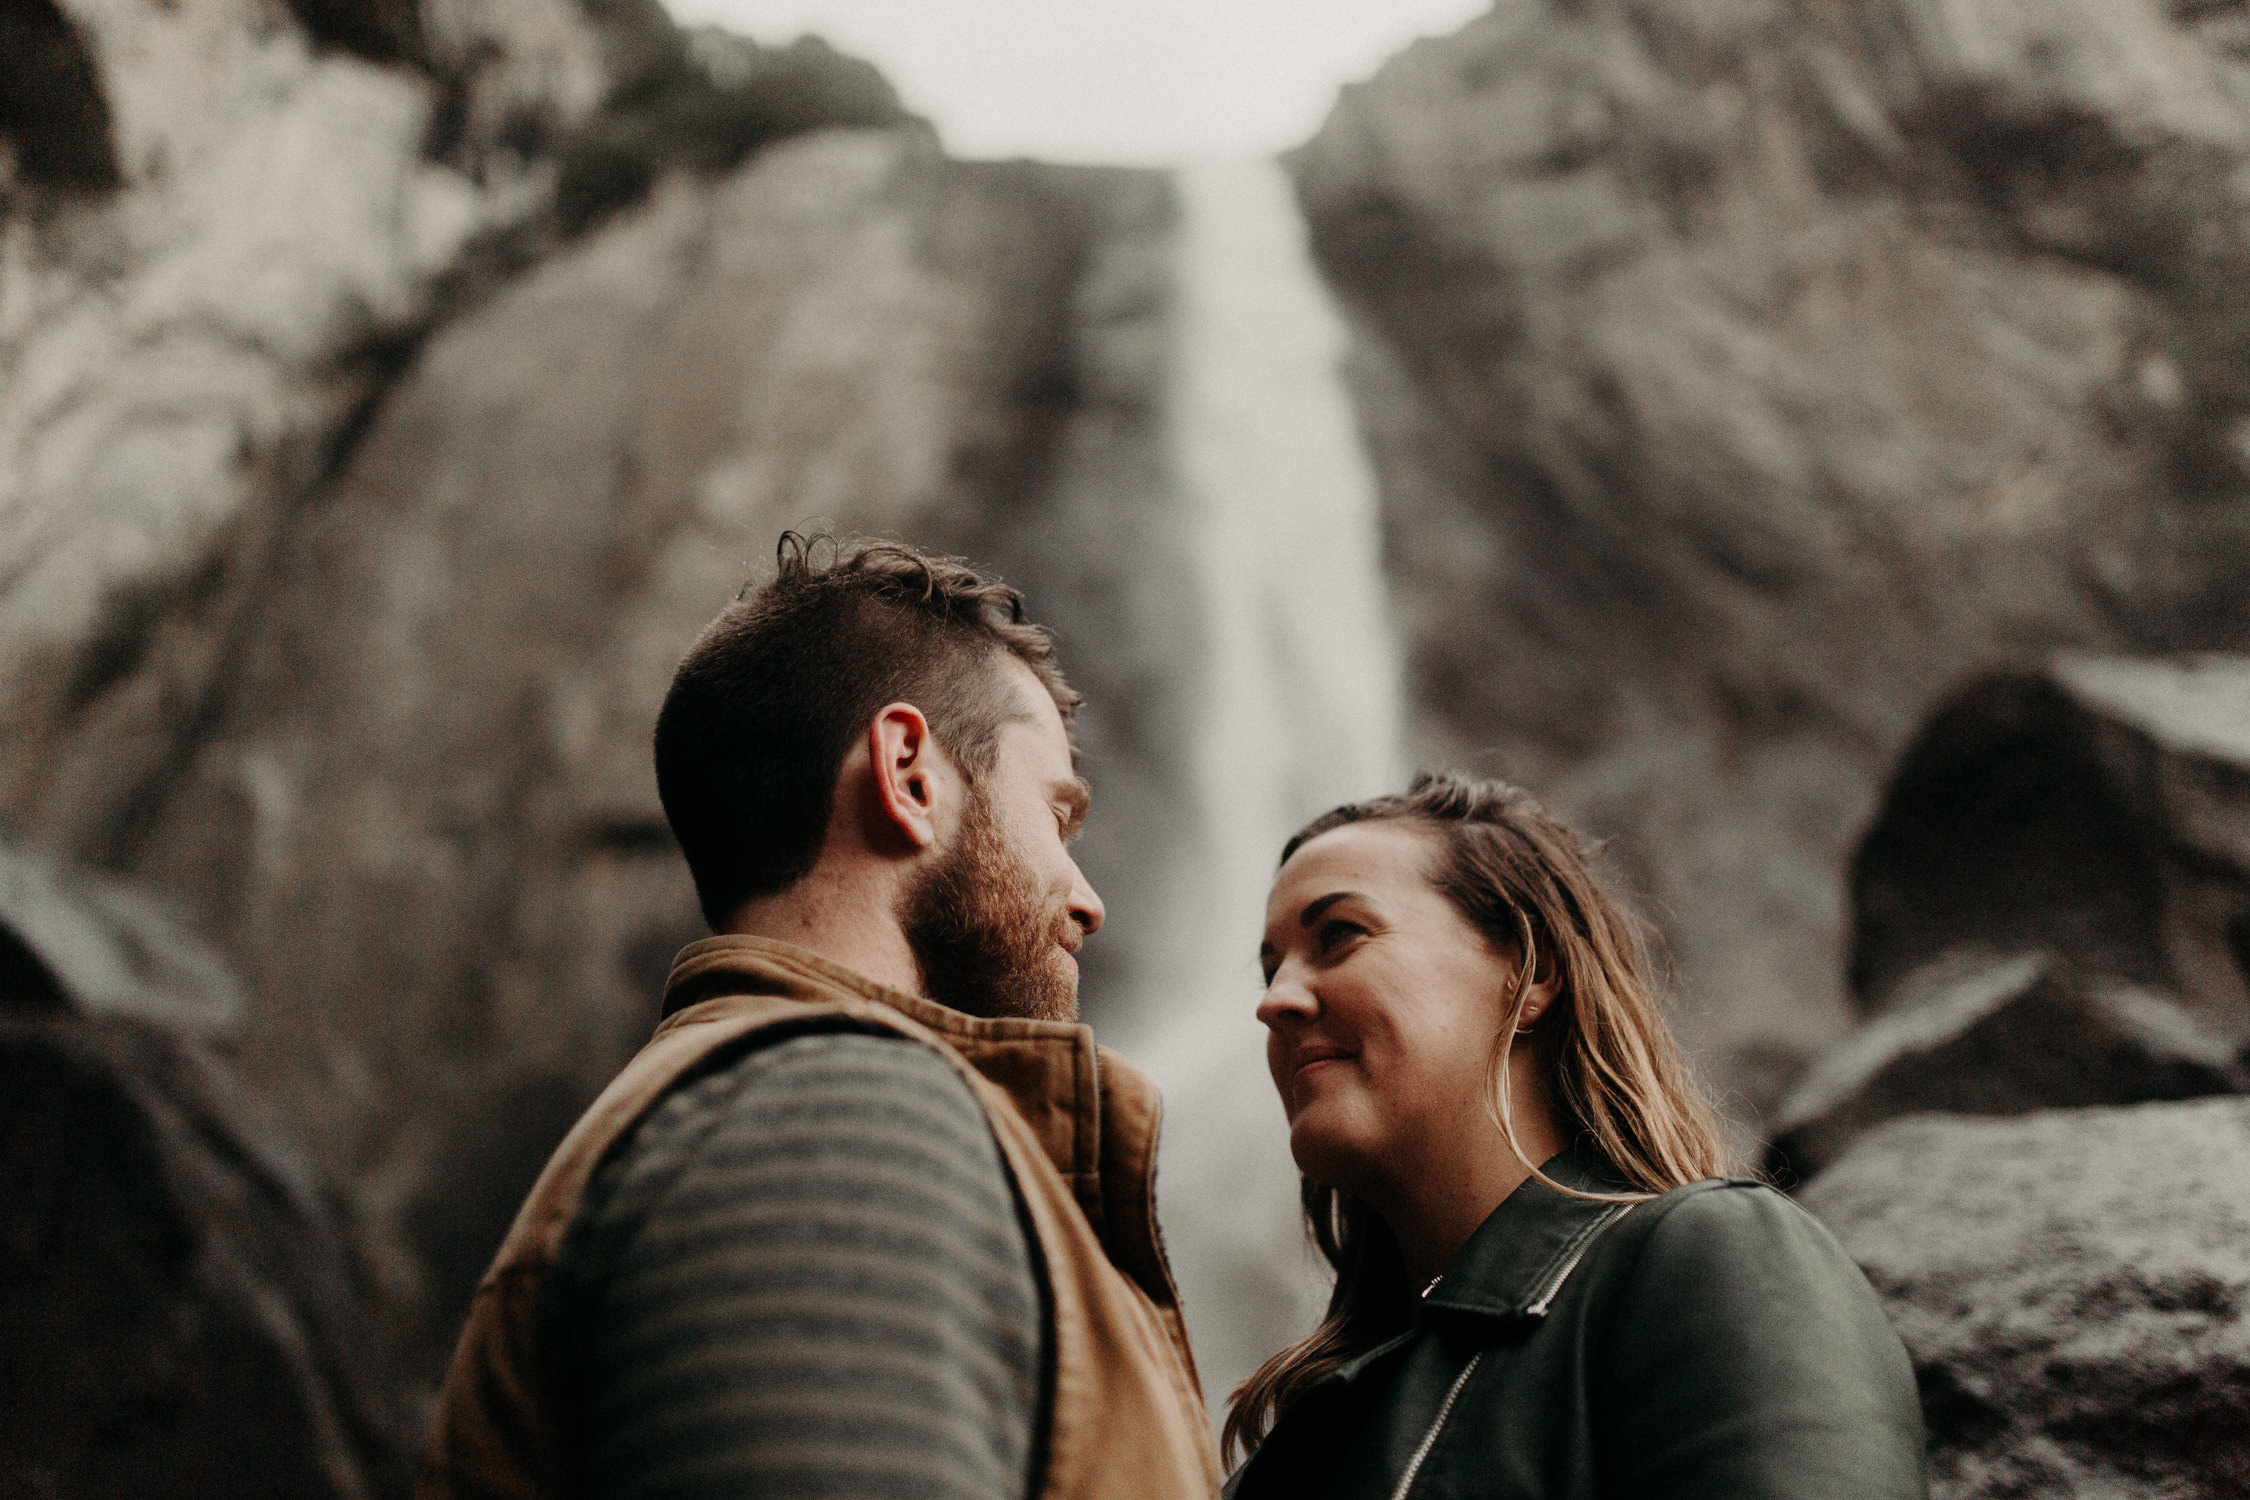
(1525, 1248)
(1517, 1258)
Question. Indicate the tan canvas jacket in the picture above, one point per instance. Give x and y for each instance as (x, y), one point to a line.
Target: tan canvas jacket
(1076, 1126)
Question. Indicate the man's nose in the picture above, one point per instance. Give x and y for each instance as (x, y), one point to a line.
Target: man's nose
(1086, 908)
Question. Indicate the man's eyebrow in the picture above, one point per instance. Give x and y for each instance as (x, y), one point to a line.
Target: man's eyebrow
(1077, 799)
(1314, 911)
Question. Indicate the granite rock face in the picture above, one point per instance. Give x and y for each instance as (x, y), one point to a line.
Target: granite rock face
(228, 227)
(2081, 1325)
(355, 511)
(186, 1312)
(213, 254)
(1741, 375)
(419, 808)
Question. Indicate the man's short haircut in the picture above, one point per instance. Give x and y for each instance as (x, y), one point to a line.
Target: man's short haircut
(778, 688)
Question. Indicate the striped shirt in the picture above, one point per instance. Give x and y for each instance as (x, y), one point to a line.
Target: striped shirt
(804, 1274)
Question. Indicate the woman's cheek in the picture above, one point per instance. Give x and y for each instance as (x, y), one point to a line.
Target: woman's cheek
(1280, 1082)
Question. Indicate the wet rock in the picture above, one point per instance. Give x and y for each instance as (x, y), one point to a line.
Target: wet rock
(1983, 1035)
(1741, 376)
(2074, 1288)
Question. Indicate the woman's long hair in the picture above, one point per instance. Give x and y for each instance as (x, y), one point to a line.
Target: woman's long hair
(1613, 1070)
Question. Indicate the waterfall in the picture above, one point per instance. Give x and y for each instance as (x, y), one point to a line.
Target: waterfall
(1299, 712)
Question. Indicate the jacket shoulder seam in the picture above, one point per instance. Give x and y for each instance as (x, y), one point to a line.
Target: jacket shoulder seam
(1660, 1209)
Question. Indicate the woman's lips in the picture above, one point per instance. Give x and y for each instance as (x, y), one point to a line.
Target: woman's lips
(1312, 1060)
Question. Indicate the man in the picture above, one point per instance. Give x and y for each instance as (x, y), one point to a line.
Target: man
(870, 1215)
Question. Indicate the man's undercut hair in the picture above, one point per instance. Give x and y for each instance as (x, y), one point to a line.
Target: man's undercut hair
(779, 687)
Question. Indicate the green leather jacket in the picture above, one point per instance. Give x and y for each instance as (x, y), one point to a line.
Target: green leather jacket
(1712, 1344)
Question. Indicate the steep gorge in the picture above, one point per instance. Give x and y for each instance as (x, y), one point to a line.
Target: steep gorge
(387, 395)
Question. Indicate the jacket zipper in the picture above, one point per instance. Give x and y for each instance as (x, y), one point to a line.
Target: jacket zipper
(1537, 1308)
(1429, 1439)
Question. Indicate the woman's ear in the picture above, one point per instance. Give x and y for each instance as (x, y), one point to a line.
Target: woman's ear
(1546, 985)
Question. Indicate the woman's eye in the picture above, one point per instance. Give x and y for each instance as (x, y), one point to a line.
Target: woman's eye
(1335, 932)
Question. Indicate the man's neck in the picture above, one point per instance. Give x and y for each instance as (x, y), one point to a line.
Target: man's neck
(848, 923)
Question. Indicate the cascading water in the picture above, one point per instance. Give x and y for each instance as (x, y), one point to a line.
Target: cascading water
(1299, 712)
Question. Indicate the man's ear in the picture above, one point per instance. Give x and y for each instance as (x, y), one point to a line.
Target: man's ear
(907, 767)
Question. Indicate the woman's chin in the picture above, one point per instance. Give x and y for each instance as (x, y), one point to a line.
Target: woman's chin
(1330, 1156)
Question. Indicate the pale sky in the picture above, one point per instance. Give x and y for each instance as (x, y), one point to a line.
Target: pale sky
(1139, 82)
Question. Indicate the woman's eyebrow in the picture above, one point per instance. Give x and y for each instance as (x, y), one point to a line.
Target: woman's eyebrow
(1314, 911)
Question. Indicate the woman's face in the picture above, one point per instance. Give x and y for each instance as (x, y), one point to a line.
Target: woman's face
(1382, 1010)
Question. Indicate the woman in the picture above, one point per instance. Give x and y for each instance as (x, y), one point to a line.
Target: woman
(1546, 1283)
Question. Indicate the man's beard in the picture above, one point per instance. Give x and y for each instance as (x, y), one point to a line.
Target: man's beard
(984, 933)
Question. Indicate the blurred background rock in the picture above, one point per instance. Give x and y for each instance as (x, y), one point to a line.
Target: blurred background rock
(1808, 443)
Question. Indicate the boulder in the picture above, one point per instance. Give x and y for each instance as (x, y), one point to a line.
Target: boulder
(2074, 1289)
(1741, 376)
(2052, 908)
(1980, 1034)
(186, 1312)
(73, 939)
(2098, 809)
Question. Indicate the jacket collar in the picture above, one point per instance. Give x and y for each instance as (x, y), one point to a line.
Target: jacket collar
(1513, 1263)
(735, 965)
(1051, 1070)
(1095, 1116)
(1519, 1256)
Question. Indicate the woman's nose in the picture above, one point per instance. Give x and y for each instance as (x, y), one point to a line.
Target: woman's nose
(1287, 1000)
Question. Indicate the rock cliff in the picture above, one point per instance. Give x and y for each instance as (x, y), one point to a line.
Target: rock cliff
(1741, 375)
(421, 810)
(386, 397)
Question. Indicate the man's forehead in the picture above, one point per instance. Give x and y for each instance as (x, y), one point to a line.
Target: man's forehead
(1035, 723)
